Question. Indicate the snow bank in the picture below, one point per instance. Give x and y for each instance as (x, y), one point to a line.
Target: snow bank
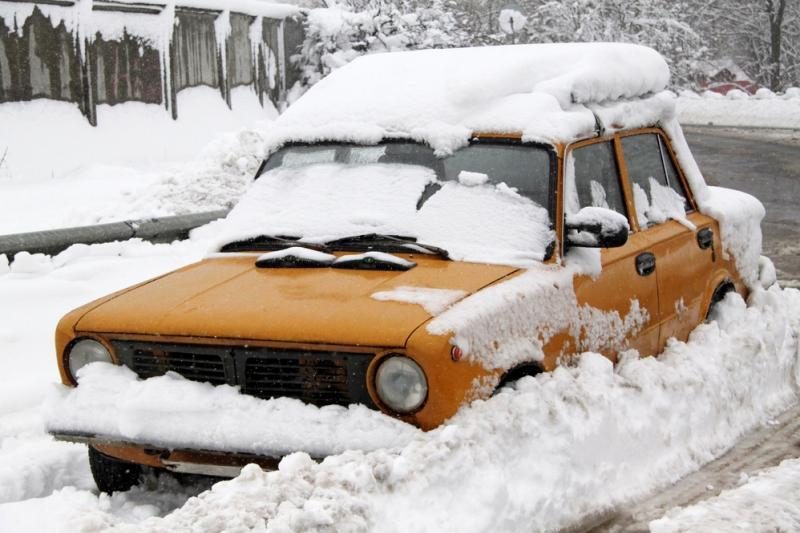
(36, 292)
(174, 412)
(145, 166)
(442, 96)
(73, 509)
(540, 455)
(49, 139)
(760, 111)
(34, 466)
(769, 501)
(483, 223)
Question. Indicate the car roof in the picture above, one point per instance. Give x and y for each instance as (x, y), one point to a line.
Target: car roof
(553, 93)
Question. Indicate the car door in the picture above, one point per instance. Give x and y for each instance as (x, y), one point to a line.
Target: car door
(619, 308)
(682, 238)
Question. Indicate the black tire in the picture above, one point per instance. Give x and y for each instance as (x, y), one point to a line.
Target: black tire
(528, 369)
(719, 294)
(112, 475)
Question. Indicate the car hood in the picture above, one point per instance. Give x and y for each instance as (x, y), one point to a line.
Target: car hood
(228, 297)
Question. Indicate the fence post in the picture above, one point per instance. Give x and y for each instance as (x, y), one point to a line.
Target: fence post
(88, 102)
(173, 95)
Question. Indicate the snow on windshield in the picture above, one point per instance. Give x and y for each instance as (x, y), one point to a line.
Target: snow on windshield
(313, 195)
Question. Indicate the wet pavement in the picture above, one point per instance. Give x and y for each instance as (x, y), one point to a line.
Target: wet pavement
(767, 167)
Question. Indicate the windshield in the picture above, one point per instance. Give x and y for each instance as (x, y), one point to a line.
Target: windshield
(525, 168)
(488, 202)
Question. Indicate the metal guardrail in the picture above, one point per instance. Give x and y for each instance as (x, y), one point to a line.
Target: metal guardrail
(52, 242)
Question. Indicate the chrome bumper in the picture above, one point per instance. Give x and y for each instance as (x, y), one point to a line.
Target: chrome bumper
(184, 461)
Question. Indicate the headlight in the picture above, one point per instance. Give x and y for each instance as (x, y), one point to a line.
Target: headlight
(84, 352)
(401, 384)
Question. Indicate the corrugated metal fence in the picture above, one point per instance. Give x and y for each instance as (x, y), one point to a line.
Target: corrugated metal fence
(93, 52)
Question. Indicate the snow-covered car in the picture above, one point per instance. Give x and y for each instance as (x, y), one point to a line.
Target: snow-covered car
(427, 227)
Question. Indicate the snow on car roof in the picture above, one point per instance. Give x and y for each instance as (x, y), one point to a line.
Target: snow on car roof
(544, 91)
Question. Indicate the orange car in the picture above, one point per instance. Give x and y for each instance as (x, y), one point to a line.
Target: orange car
(421, 315)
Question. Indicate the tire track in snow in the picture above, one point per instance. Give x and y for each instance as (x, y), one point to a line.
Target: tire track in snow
(760, 449)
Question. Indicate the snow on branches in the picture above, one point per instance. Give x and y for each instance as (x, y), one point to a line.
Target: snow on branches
(337, 35)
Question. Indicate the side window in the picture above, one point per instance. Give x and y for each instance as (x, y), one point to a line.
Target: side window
(594, 180)
(657, 191)
(673, 179)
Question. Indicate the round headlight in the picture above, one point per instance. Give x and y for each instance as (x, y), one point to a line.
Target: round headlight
(84, 352)
(401, 384)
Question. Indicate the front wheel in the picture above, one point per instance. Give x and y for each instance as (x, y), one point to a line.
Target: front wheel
(113, 475)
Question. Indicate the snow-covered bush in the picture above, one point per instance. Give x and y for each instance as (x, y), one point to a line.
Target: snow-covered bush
(792, 92)
(337, 35)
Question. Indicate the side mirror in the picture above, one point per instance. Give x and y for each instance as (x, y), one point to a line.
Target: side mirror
(596, 227)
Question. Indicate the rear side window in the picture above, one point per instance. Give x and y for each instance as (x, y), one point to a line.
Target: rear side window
(594, 180)
(658, 193)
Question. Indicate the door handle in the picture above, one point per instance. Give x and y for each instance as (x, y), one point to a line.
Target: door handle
(705, 240)
(645, 263)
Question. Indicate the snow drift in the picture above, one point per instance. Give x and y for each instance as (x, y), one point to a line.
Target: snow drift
(543, 454)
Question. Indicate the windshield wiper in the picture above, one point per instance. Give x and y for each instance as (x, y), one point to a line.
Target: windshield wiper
(262, 243)
(381, 242)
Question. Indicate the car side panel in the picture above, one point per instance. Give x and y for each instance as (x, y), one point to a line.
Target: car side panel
(616, 290)
(684, 271)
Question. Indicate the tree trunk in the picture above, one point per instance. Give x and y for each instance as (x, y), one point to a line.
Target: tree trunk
(775, 10)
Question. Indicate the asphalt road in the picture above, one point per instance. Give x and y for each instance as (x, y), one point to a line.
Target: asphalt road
(769, 169)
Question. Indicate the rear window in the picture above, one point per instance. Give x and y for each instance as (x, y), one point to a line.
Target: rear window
(658, 192)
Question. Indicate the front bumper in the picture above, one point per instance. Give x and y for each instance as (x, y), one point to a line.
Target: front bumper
(203, 462)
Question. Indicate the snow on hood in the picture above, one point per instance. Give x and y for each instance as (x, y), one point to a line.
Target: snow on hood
(442, 96)
(434, 301)
(483, 223)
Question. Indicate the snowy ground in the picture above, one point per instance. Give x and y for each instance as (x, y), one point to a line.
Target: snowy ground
(542, 455)
(766, 502)
(763, 110)
(139, 163)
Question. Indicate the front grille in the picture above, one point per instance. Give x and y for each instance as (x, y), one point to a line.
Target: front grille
(317, 377)
(150, 362)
